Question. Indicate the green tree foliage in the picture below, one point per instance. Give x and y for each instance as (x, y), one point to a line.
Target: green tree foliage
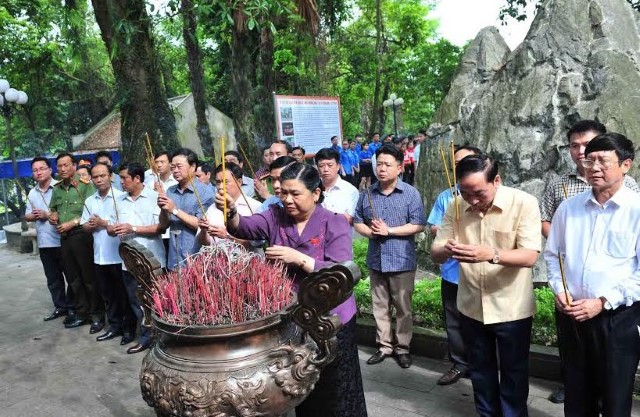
(416, 65)
(67, 92)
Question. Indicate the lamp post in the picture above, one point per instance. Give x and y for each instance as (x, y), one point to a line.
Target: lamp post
(394, 102)
(10, 96)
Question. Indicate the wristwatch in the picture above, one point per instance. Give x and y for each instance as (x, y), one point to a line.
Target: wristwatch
(606, 305)
(496, 257)
(135, 229)
(175, 211)
(76, 221)
(390, 231)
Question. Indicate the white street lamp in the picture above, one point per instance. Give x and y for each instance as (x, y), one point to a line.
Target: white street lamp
(9, 96)
(394, 102)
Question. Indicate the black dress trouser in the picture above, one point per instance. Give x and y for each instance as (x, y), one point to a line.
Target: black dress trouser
(600, 357)
(62, 297)
(77, 259)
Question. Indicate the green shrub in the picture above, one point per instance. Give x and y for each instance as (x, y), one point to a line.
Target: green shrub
(544, 322)
(427, 302)
(360, 248)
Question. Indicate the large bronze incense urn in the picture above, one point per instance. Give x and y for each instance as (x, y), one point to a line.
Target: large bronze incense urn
(263, 367)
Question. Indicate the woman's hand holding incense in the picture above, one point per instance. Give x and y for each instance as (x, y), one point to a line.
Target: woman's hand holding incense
(290, 256)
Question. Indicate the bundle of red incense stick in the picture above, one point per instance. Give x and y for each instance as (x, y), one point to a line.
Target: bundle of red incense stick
(222, 285)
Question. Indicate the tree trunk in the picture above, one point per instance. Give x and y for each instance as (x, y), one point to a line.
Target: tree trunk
(126, 31)
(382, 111)
(242, 67)
(196, 76)
(377, 101)
(264, 110)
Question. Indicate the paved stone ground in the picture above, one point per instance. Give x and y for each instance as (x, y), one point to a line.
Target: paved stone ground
(46, 370)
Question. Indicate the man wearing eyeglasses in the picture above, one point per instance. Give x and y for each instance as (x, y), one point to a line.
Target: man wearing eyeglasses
(596, 234)
(569, 185)
(48, 238)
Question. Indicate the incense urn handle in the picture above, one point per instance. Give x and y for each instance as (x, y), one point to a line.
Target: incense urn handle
(264, 367)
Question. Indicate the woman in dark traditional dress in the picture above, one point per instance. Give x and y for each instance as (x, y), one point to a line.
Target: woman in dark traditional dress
(307, 238)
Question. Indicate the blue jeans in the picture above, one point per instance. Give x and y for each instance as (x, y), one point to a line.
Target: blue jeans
(506, 396)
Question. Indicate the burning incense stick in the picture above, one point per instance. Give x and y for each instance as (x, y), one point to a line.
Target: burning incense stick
(446, 170)
(241, 192)
(224, 182)
(25, 193)
(564, 278)
(195, 191)
(564, 189)
(43, 200)
(113, 195)
(373, 212)
(253, 173)
(84, 201)
(150, 158)
(455, 182)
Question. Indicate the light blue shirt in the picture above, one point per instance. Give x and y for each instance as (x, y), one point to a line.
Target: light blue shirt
(47, 235)
(182, 238)
(601, 247)
(450, 269)
(274, 199)
(105, 247)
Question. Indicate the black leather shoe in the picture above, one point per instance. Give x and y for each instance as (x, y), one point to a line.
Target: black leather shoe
(137, 348)
(557, 396)
(76, 322)
(404, 360)
(96, 326)
(126, 338)
(452, 376)
(377, 357)
(71, 316)
(107, 335)
(58, 312)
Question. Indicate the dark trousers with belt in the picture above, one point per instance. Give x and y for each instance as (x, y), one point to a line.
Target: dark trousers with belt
(131, 284)
(600, 360)
(77, 258)
(119, 314)
(51, 259)
(457, 352)
(505, 396)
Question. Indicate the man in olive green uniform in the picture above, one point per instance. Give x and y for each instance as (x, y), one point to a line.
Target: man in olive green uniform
(67, 203)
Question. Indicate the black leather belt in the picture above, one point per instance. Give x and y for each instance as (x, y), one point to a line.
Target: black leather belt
(72, 232)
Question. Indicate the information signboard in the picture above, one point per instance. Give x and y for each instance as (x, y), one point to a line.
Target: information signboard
(307, 121)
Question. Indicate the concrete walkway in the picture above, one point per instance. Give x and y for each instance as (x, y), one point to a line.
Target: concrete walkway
(50, 371)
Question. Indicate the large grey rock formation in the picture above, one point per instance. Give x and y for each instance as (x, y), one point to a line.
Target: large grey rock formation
(580, 59)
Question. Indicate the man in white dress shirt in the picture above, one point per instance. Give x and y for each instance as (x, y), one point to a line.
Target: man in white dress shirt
(247, 183)
(98, 211)
(597, 233)
(163, 167)
(212, 226)
(138, 219)
(339, 195)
